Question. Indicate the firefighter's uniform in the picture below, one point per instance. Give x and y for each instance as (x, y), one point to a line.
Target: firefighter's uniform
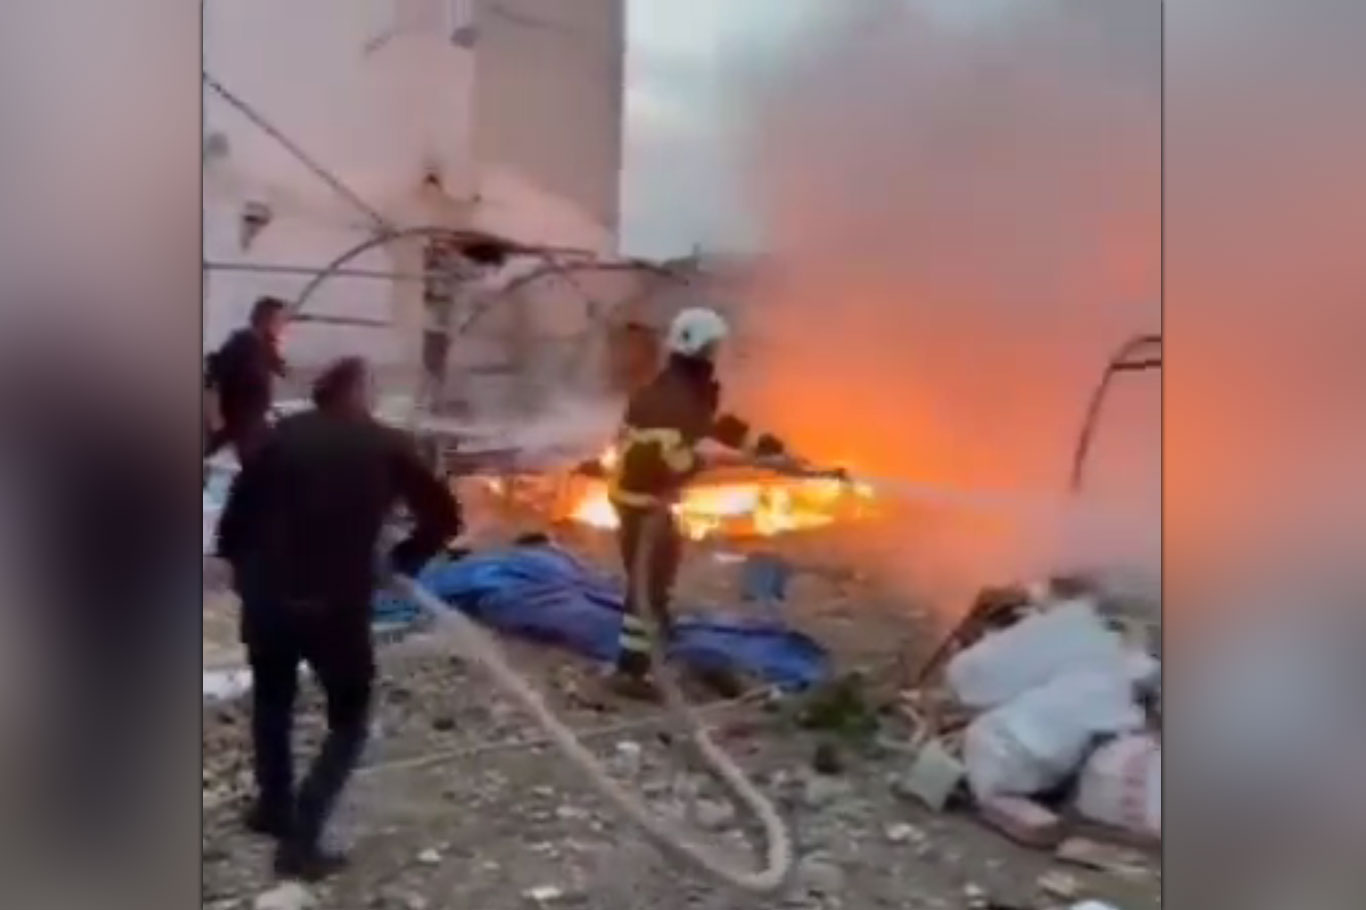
(657, 455)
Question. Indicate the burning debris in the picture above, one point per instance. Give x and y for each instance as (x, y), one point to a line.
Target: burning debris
(747, 503)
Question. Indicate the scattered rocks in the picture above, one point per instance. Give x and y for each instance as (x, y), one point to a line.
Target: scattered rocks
(975, 896)
(551, 896)
(627, 758)
(430, 857)
(817, 874)
(819, 791)
(1123, 862)
(285, 896)
(828, 759)
(714, 814)
(903, 833)
(443, 723)
(1059, 884)
(1022, 820)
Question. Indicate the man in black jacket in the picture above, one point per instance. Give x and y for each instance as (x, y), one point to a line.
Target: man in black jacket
(242, 373)
(301, 528)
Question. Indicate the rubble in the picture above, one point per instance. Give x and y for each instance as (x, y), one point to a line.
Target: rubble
(285, 896)
(1022, 820)
(1059, 884)
(1123, 862)
(501, 831)
(933, 777)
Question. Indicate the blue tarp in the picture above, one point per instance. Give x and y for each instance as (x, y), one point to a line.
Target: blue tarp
(545, 594)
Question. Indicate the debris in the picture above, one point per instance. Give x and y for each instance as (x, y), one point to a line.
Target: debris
(416, 902)
(841, 707)
(714, 814)
(1022, 820)
(1123, 862)
(902, 832)
(976, 896)
(933, 777)
(1008, 663)
(285, 896)
(541, 895)
(1059, 884)
(627, 759)
(820, 791)
(430, 857)
(1033, 742)
(818, 875)
(1093, 905)
(1121, 785)
(827, 759)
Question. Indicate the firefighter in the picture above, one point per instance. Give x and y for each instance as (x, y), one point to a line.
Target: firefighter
(241, 374)
(665, 420)
(300, 528)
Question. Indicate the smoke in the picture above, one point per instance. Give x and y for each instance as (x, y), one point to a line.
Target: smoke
(1266, 208)
(964, 224)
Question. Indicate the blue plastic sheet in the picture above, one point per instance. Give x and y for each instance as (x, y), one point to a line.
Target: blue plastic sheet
(543, 593)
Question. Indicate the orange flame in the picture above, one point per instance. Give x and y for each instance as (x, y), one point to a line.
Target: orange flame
(762, 507)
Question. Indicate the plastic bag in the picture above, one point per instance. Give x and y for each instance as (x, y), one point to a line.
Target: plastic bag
(1032, 743)
(1121, 785)
(1068, 637)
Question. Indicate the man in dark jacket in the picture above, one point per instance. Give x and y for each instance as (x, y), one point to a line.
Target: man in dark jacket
(242, 374)
(301, 528)
(664, 422)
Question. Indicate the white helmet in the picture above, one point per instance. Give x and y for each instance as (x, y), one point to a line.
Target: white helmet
(696, 331)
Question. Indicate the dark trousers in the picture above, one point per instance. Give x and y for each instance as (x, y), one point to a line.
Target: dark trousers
(245, 434)
(340, 653)
(633, 656)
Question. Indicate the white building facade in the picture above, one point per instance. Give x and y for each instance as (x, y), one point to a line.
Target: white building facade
(495, 115)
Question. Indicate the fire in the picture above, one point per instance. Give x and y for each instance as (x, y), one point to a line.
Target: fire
(761, 507)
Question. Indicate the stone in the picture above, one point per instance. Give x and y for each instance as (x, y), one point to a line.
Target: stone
(550, 895)
(820, 791)
(627, 758)
(1022, 820)
(714, 814)
(285, 896)
(416, 902)
(1059, 884)
(827, 759)
(818, 875)
(902, 832)
(430, 857)
(1123, 862)
(975, 895)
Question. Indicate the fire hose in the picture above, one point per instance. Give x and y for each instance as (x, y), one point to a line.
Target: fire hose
(481, 648)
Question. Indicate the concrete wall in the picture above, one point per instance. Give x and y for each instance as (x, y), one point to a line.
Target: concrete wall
(548, 97)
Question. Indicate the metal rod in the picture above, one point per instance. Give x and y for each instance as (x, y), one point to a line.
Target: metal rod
(318, 170)
(268, 269)
(1119, 363)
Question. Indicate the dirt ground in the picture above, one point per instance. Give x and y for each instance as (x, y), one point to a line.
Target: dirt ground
(451, 812)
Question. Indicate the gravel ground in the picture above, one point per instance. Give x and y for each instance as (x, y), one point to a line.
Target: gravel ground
(483, 827)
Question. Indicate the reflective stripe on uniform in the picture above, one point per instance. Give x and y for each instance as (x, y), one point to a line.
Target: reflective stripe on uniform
(635, 634)
(636, 500)
(673, 448)
(675, 451)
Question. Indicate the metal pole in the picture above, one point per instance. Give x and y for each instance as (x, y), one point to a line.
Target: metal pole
(381, 223)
